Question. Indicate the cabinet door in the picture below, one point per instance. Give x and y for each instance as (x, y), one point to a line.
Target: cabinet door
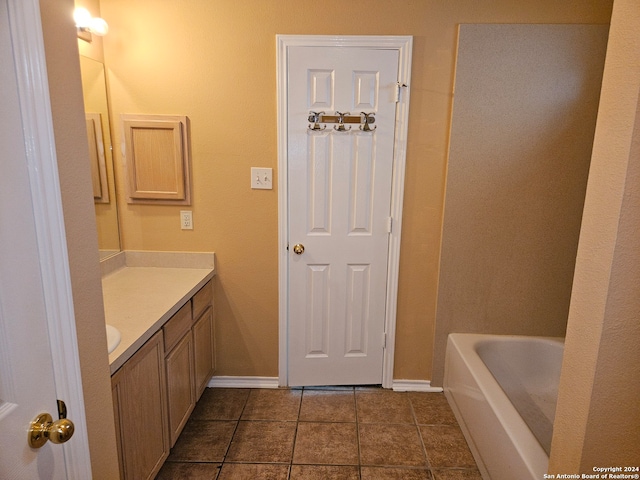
(180, 385)
(143, 411)
(205, 359)
(117, 386)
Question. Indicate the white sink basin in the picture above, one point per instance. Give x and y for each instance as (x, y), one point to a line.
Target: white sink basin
(113, 338)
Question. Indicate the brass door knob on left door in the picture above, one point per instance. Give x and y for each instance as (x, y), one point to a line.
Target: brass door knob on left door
(43, 428)
(298, 249)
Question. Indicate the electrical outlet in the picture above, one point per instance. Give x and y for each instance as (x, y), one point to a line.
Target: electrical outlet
(186, 220)
(261, 178)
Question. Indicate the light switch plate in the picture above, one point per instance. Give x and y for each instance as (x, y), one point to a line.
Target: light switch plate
(261, 178)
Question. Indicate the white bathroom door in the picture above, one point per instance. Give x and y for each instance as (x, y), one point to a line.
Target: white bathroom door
(339, 200)
(28, 383)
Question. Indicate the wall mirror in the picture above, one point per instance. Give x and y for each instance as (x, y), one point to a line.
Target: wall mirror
(96, 107)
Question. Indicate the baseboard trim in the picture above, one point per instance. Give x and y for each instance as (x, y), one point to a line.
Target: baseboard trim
(272, 382)
(414, 386)
(243, 382)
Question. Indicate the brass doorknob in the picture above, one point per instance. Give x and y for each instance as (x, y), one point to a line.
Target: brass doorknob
(298, 249)
(43, 428)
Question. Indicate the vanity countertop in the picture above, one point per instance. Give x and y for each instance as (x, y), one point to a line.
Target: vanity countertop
(139, 300)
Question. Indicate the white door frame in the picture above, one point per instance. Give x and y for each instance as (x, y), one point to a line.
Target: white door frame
(37, 125)
(404, 45)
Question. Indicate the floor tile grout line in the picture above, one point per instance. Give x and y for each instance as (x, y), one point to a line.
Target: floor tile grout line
(235, 430)
(355, 402)
(417, 425)
(295, 435)
(355, 406)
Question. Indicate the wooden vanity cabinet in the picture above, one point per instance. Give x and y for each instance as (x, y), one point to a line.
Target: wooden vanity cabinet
(156, 390)
(140, 404)
(190, 359)
(179, 363)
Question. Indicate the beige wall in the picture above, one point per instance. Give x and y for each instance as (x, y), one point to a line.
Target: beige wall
(523, 120)
(63, 70)
(214, 60)
(597, 418)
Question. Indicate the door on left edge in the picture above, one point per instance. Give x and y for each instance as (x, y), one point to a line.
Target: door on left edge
(27, 386)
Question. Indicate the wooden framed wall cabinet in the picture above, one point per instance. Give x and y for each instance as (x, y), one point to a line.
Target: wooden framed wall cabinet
(157, 159)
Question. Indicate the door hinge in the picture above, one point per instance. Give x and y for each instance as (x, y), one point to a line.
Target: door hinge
(389, 224)
(384, 340)
(399, 86)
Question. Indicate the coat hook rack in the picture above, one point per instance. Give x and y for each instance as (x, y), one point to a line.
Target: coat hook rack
(340, 127)
(316, 117)
(368, 120)
(343, 121)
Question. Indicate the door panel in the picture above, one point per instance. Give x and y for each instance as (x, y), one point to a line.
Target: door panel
(339, 188)
(27, 386)
(361, 188)
(317, 311)
(358, 291)
(319, 200)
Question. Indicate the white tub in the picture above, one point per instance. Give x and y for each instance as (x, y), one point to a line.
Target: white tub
(496, 384)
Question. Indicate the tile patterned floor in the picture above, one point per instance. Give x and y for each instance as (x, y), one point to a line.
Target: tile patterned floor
(343, 433)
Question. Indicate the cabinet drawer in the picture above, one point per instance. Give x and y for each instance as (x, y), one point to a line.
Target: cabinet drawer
(177, 326)
(202, 299)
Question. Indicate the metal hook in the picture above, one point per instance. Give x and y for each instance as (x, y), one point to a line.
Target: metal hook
(340, 127)
(315, 117)
(368, 119)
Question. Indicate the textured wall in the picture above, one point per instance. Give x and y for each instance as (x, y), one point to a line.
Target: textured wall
(524, 112)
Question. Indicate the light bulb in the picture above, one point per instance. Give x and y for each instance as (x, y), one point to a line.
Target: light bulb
(98, 26)
(82, 17)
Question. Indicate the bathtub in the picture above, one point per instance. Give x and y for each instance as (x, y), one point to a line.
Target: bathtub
(503, 391)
